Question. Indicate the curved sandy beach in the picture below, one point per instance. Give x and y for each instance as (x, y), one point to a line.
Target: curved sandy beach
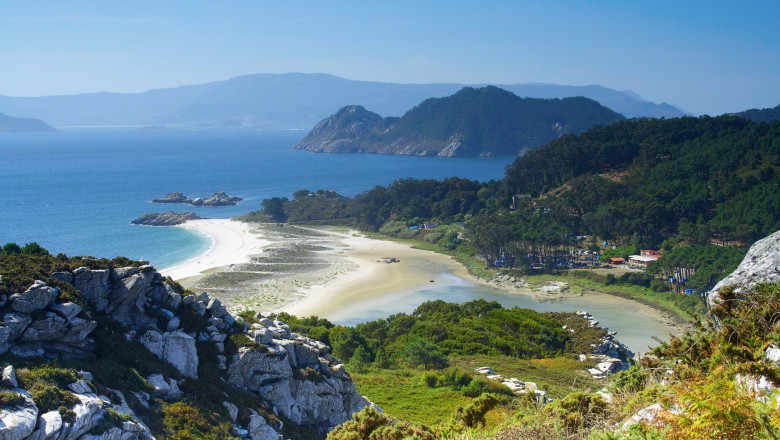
(343, 275)
(231, 243)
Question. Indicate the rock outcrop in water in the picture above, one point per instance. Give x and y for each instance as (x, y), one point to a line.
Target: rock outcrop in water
(169, 218)
(295, 376)
(219, 198)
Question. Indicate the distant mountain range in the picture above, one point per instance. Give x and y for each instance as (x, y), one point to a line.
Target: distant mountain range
(764, 115)
(473, 122)
(292, 100)
(9, 124)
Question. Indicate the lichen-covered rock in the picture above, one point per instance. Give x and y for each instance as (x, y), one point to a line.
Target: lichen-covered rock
(93, 284)
(168, 390)
(179, 350)
(18, 422)
(252, 369)
(51, 328)
(49, 425)
(9, 377)
(37, 297)
(760, 265)
(16, 323)
(66, 310)
(259, 429)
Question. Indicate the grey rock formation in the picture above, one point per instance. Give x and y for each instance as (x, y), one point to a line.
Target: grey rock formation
(37, 297)
(169, 218)
(219, 198)
(760, 265)
(179, 350)
(292, 373)
(19, 422)
(9, 377)
(321, 399)
(175, 197)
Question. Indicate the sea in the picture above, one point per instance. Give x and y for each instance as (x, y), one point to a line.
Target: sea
(76, 190)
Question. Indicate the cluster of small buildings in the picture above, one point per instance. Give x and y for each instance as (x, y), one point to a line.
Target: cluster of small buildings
(641, 261)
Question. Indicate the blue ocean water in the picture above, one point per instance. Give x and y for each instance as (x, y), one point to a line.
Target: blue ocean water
(75, 191)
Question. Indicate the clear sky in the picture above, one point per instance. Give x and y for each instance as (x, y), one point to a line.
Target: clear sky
(703, 56)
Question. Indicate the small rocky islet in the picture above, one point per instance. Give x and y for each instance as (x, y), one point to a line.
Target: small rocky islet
(169, 218)
(219, 198)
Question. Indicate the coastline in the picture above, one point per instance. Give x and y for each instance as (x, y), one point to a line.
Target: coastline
(231, 243)
(339, 274)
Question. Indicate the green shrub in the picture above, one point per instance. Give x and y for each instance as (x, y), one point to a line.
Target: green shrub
(392, 228)
(368, 423)
(478, 387)
(433, 237)
(474, 414)
(110, 419)
(578, 411)
(430, 379)
(10, 399)
(308, 374)
(242, 340)
(191, 321)
(185, 421)
(454, 378)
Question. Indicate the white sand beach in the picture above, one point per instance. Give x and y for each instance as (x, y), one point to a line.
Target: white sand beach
(231, 243)
(372, 276)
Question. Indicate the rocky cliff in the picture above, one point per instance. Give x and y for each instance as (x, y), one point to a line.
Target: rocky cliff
(294, 378)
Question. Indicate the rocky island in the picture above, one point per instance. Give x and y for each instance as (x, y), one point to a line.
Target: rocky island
(169, 218)
(473, 122)
(219, 198)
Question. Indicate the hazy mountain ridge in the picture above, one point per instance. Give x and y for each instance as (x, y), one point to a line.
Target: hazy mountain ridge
(9, 124)
(292, 100)
(762, 115)
(473, 122)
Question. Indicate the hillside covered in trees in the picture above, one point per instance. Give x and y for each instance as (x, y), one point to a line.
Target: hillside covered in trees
(646, 183)
(762, 115)
(473, 122)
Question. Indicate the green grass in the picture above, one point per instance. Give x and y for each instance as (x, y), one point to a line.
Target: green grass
(558, 376)
(402, 394)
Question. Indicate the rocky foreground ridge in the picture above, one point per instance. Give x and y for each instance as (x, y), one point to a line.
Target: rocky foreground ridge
(295, 377)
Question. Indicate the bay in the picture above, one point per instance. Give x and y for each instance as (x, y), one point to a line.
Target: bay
(75, 191)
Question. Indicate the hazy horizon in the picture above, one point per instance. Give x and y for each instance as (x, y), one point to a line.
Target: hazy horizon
(715, 57)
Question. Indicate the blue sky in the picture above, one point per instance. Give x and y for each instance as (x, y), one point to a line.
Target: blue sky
(704, 56)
